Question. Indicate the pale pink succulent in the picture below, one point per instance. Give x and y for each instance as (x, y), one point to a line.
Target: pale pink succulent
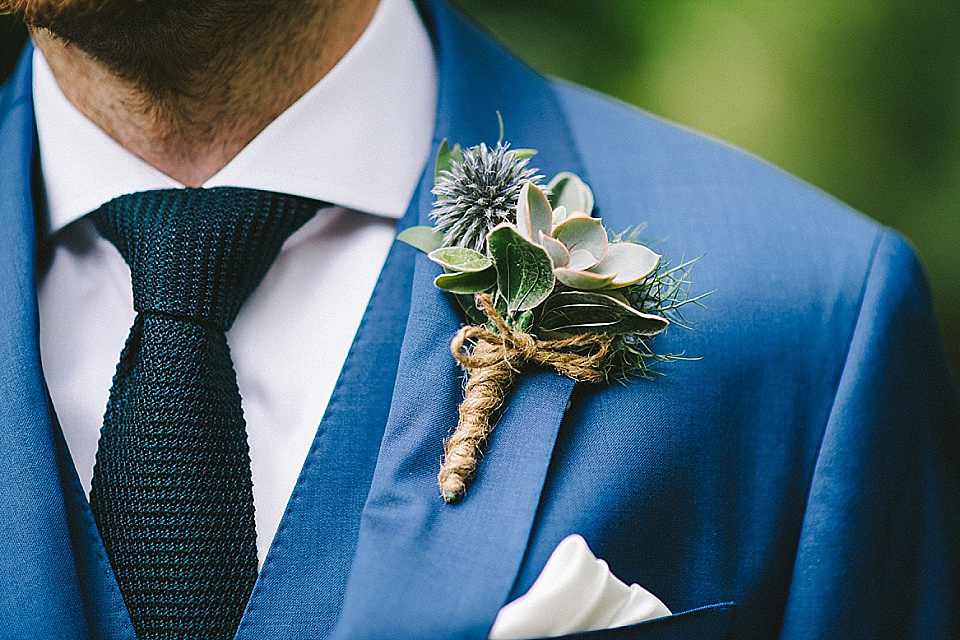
(580, 252)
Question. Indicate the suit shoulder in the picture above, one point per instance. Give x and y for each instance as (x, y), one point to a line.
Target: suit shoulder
(755, 225)
(787, 263)
(622, 143)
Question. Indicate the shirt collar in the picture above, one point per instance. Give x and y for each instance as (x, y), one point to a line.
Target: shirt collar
(359, 138)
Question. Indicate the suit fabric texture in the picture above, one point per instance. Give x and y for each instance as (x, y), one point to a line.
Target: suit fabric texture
(799, 480)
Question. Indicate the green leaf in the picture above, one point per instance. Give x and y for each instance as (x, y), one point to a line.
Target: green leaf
(525, 321)
(524, 274)
(464, 283)
(443, 159)
(470, 310)
(568, 190)
(460, 259)
(584, 312)
(426, 239)
(521, 154)
(533, 212)
(446, 157)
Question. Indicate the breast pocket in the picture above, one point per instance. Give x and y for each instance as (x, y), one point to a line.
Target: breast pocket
(713, 622)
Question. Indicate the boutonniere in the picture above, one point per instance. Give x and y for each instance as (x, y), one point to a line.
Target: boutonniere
(542, 284)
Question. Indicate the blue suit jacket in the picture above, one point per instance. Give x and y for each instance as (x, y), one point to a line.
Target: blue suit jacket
(799, 481)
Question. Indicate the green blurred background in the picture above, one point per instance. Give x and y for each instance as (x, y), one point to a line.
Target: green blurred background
(859, 97)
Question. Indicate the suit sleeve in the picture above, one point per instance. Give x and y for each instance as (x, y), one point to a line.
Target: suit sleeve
(879, 550)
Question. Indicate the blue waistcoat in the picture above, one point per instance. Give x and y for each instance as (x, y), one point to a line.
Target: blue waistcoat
(799, 479)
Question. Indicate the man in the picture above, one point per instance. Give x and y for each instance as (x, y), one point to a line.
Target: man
(802, 474)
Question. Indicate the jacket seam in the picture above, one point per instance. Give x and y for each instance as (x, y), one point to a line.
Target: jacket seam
(882, 233)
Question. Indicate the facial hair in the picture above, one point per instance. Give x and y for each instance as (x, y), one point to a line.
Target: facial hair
(154, 43)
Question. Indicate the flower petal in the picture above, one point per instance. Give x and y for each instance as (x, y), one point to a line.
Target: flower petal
(568, 190)
(584, 280)
(533, 212)
(627, 262)
(579, 232)
(558, 253)
(559, 215)
(581, 260)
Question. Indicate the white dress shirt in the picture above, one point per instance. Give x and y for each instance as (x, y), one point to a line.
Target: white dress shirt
(358, 139)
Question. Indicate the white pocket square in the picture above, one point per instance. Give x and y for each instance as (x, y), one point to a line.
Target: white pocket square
(575, 592)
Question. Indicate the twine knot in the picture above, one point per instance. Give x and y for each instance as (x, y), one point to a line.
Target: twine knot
(493, 361)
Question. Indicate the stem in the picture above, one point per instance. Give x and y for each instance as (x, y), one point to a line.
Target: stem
(487, 386)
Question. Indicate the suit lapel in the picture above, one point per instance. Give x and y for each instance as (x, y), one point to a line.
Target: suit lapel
(107, 615)
(306, 568)
(41, 595)
(421, 565)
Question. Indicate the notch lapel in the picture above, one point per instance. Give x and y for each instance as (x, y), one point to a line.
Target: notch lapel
(423, 567)
(41, 596)
(306, 569)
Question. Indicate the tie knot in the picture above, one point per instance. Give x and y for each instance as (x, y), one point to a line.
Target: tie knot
(198, 253)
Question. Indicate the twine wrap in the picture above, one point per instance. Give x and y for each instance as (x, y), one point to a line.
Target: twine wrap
(493, 364)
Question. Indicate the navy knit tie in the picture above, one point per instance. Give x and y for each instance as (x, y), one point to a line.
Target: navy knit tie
(171, 491)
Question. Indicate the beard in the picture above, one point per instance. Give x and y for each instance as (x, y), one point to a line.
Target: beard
(145, 40)
(96, 21)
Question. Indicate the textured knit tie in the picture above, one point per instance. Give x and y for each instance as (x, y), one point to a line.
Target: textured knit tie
(171, 493)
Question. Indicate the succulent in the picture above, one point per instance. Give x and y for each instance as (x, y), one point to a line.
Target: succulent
(476, 190)
(541, 285)
(581, 255)
(551, 267)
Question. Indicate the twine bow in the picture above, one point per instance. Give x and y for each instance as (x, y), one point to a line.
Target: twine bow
(493, 364)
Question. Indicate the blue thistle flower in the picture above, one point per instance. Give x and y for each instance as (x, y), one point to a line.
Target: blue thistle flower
(478, 193)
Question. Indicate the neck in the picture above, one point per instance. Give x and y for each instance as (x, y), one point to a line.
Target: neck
(189, 123)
